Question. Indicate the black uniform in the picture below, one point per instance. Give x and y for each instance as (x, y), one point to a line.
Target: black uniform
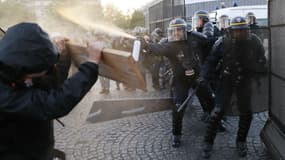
(254, 28)
(182, 58)
(202, 51)
(235, 64)
(212, 33)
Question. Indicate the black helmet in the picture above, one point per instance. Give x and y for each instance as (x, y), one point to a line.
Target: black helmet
(204, 15)
(156, 35)
(250, 14)
(158, 31)
(238, 23)
(239, 29)
(177, 30)
(250, 17)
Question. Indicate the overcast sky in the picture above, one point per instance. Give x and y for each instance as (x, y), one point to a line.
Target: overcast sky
(126, 5)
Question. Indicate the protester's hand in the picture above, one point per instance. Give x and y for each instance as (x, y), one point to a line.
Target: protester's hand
(60, 43)
(94, 49)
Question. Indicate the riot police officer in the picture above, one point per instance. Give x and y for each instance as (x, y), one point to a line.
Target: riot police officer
(223, 24)
(202, 24)
(251, 21)
(237, 58)
(179, 51)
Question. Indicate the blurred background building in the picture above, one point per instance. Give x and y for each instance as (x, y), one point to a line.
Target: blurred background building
(158, 13)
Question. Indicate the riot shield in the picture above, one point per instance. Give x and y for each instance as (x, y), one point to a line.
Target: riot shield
(258, 84)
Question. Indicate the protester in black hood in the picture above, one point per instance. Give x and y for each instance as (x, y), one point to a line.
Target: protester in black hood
(27, 109)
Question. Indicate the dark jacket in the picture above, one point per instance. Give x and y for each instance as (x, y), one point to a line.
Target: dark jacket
(180, 54)
(26, 114)
(249, 55)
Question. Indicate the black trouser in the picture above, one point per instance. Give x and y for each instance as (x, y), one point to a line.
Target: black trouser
(206, 97)
(223, 97)
(180, 93)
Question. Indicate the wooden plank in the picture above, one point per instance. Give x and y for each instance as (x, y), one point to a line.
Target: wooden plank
(116, 65)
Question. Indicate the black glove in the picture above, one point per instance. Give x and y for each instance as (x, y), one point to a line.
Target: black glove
(201, 80)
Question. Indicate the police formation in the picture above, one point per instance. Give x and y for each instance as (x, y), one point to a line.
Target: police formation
(213, 63)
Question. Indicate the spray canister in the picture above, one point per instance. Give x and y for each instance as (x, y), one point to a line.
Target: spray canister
(136, 50)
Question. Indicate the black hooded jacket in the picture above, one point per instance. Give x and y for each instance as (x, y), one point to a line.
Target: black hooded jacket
(26, 114)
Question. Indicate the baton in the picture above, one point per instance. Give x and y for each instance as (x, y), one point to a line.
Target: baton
(190, 96)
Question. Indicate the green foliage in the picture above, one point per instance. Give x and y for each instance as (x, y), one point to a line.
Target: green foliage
(16, 11)
(137, 19)
(115, 16)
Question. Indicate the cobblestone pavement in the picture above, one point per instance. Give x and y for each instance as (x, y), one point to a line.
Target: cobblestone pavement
(148, 136)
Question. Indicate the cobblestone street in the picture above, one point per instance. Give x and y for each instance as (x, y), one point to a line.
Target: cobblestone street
(148, 136)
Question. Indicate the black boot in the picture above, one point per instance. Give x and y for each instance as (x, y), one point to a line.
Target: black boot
(244, 125)
(241, 148)
(207, 150)
(176, 141)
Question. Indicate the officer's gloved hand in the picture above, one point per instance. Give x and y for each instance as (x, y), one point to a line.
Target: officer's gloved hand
(143, 41)
(201, 80)
(144, 45)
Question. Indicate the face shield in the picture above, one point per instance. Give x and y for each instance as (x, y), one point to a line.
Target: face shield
(197, 22)
(250, 20)
(177, 33)
(224, 22)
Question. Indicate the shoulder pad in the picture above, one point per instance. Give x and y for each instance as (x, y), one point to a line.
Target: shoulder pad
(208, 25)
(208, 29)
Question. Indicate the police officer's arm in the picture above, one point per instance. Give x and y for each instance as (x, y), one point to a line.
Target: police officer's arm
(163, 49)
(54, 103)
(213, 59)
(197, 39)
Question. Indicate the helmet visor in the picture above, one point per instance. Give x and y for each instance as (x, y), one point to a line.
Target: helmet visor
(250, 19)
(197, 22)
(178, 33)
(224, 22)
